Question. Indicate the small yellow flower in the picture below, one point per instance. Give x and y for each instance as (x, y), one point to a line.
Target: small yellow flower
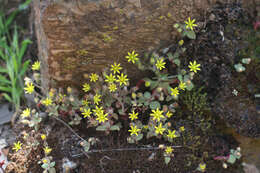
(190, 23)
(182, 85)
(47, 150)
(86, 87)
(36, 65)
(116, 68)
(182, 128)
(132, 57)
(102, 117)
(171, 134)
(17, 146)
(174, 92)
(43, 136)
(159, 129)
(112, 87)
(194, 66)
(169, 114)
(181, 42)
(98, 110)
(157, 114)
(202, 166)
(44, 161)
(29, 89)
(86, 113)
(26, 113)
(47, 102)
(122, 79)
(93, 77)
(97, 99)
(133, 115)
(111, 78)
(168, 150)
(85, 102)
(160, 64)
(134, 130)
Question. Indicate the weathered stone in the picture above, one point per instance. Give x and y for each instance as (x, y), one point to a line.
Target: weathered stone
(84, 36)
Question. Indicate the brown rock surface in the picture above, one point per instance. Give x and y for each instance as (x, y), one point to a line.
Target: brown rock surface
(80, 37)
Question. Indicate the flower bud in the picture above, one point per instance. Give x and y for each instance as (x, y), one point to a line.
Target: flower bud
(159, 89)
(152, 61)
(181, 42)
(134, 95)
(224, 165)
(69, 90)
(176, 25)
(147, 83)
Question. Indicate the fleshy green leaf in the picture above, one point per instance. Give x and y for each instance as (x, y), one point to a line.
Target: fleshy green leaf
(167, 160)
(155, 105)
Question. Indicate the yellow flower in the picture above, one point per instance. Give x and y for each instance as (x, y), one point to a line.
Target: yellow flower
(190, 23)
(93, 77)
(111, 78)
(182, 85)
(102, 117)
(168, 150)
(181, 42)
(171, 134)
(133, 115)
(43, 136)
(169, 114)
(116, 68)
(157, 114)
(194, 66)
(202, 166)
(112, 87)
(47, 150)
(17, 146)
(97, 99)
(29, 89)
(174, 91)
(85, 102)
(26, 113)
(98, 110)
(134, 130)
(44, 160)
(132, 57)
(47, 102)
(36, 65)
(86, 113)
(182, 128)
(159, 129)
(122, 79)
(160, 64)
(86, 87)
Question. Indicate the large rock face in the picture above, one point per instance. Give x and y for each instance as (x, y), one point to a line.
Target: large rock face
(78, 37)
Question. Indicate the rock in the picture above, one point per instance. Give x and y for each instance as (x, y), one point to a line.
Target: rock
(82, 37)
(248, 168)
(5, 114)
(3, 154)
